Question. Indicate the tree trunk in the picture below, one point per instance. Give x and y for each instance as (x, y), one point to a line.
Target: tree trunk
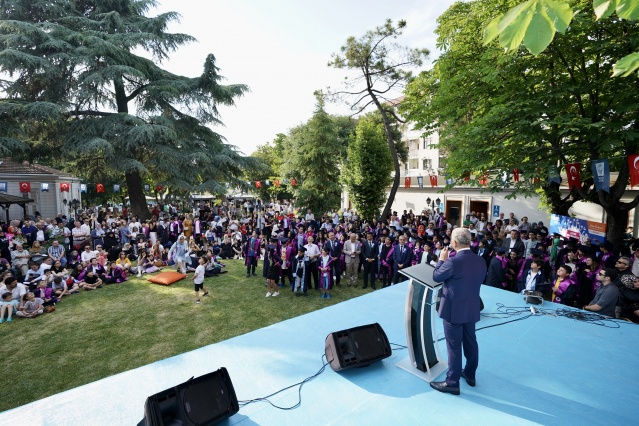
(136, 195)
(617, 223)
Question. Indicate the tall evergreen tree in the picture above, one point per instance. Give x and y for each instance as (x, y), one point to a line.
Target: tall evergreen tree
(367, 170)
(77, 67)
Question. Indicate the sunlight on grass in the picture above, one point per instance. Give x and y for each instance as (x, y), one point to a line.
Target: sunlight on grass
(96, 334)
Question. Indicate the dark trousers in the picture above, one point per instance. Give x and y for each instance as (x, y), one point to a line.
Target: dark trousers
(370, 268)
(460, 336)
(312, 271)
(385, 272)
(337, 271)
(251, 264)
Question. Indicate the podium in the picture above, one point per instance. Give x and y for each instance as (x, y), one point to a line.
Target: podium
(424, 360)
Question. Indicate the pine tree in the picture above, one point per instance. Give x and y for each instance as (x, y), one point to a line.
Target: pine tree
(78, 69)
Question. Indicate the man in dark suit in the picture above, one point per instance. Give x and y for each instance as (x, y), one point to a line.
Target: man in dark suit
(496, 275)
(402, 257)
(370, 254)
(462, 276)
(514, 243)
(334, 249)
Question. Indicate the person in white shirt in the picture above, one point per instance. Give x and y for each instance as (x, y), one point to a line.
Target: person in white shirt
(309, 215)
(198, 279)
(313, 253)
(88, 254)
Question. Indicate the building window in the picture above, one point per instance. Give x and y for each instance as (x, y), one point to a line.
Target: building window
(427, 164)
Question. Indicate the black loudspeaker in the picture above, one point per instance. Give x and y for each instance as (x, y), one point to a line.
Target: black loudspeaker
(205, 400)
(356, 347)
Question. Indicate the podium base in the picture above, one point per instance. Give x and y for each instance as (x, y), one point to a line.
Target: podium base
(435, 371)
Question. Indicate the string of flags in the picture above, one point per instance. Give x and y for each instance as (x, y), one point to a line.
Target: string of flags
(275, 182)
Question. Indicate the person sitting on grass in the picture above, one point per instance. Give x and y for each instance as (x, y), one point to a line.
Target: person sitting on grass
(33, 276)
(325, 261)
(114, 275)
(31, 306)
(46, 294)
(91, 280)
(198, 279)
(60, 289)
(6, 307)
(124, 263)
(148, 265)
(78, 276)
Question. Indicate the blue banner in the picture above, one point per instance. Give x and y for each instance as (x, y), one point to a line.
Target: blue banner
(3, 186)
(116, 189)
(601, 175)
(44, 187)
(83, 187)
(420, 181)
(581, 229)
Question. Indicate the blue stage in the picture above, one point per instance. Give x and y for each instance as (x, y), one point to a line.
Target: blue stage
(540, 370)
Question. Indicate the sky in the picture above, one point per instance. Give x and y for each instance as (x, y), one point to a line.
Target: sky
(280, 49)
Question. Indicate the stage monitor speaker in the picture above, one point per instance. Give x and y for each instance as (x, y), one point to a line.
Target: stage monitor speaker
(205, 400)
(356, 347)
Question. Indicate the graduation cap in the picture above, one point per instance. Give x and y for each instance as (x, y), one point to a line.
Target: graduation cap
(608, 245)
(583, 248)
(500, 250)
(283, 240)
(302, 249)
(536, 252)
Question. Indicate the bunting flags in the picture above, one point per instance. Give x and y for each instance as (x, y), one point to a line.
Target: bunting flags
(433, 181)
(574, 178)
(483, 179)
(516, 175)
(420, 181)
(64, 187)
(553, 175)
(83, 187)
(293, 182)
(147, 188)
(3, 186)
(25, 186)
(116, 188)
(44, 187)
(99, 187)
(258, 184)
(407, 182)
(268, 183)
(449, 180)
(159, 188)
(601, 175)
(276, 182)
(633, 169)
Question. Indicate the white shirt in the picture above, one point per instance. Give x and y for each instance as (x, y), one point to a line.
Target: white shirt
(86, 256)
(312, 250)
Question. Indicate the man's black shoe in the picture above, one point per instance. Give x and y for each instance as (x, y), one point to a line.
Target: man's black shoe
(469, 381)
(443, 387)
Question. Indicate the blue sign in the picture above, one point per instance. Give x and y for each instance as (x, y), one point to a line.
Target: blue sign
(495, 211)
(581, 229)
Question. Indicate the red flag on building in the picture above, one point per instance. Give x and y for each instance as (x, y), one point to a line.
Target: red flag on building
(25, 186)
(574, 178)
(633, 168)
(293, 182)
(276, 182)
(258, 184)
(516, 175)
(483, 180)
(64, 187)
(99, 187)
(433, 181)
(406, 182)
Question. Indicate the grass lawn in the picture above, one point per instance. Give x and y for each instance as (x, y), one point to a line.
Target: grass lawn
(96, 334)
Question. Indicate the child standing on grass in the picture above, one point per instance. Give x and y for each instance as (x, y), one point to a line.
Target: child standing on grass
(198, 279)
(6, 307)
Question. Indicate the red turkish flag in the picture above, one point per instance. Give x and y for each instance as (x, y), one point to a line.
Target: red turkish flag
(99, 187)
(25, 186)
(433, 181)
(258, 184)
(293, 182)
(516, 175)
(159, 188)
(633, 168)
(406, 182)
(574, 178)
(483, 180)
(276, 182)
(64, 187)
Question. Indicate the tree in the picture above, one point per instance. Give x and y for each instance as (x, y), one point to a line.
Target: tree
(272, 155)
(498, 112)
(368, 166)
(78, 67)
(312, 157)
(381, 67)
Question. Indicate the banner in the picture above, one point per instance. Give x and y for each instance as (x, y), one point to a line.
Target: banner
(553, 175)
(268, 183)
(147, 188)
(516, 175)
(159, 188)
(420, 181)
(116, 188)
(633, 169)
(83, 187)
(3, 186)
(44, 187)
(574, 177)
(601, 175)
(293, 182)
(258, 184)
(433, 181)
(99, 187)
(406, 182)
(65, 186)
(450, 181)
(25, 186)
(483, 179)
(276, 182)
(581, 229)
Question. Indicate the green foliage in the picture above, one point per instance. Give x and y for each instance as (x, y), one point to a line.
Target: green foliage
(535, 22)
(272, 156)
(75, 71)
(367, 171)
(312, 154)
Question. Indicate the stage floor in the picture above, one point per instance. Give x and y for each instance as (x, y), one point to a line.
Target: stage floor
(540, 370)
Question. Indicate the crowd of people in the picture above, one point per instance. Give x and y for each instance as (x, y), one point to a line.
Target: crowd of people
(44, 260)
